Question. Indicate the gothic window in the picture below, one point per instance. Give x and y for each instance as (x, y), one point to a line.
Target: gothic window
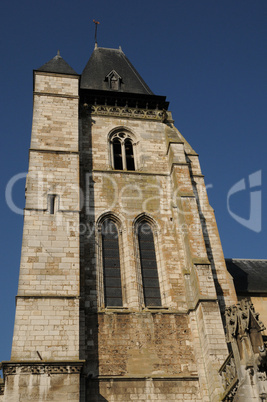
(122, 149)
(148, 262)
(111, 264)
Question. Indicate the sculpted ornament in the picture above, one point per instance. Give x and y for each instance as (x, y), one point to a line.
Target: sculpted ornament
(148, 114)
(238, 319)
(41, 369)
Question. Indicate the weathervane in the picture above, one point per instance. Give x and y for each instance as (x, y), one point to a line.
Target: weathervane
(96, 23)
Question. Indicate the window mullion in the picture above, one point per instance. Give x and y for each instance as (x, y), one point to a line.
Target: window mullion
(124, 164)
(134, 156)
(112, 155)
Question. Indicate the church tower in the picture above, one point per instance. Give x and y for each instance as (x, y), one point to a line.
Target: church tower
(123, 280)
(45, 363)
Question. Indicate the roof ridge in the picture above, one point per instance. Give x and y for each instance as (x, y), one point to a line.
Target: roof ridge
(109, 48)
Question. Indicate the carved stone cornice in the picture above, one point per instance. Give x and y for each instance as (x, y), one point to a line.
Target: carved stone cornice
(30, 367)
(118, 111)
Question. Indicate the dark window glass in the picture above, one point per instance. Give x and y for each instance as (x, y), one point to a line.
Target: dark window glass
(129, 155)
(148, 265)
(117, 154)
(52, 199)
(111, 264)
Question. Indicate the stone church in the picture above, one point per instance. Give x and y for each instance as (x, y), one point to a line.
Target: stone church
(124, 292)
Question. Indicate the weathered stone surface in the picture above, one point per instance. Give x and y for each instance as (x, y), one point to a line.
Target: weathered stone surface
(47, 311)
(133, 351)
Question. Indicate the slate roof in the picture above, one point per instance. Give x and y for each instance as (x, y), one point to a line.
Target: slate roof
(57, 65)
(250, 276)
(102, 62)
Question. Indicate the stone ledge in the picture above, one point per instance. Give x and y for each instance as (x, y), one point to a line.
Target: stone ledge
(56, 95)
(48, 296)
(74, 76)
(46, 209)
(140, 378)
(202, 300)
(170, 311)
(134, 172)
(54, 151)
(201, 261)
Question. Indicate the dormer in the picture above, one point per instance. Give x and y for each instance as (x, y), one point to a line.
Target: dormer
(114, 80)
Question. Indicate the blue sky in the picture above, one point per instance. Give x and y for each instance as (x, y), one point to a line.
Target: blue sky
(208, 57)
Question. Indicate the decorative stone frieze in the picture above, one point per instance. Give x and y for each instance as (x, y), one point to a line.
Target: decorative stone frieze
(118, 111)
(41, 368)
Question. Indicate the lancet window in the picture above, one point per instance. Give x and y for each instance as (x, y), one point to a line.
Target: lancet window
(111, 264)
(148, 263)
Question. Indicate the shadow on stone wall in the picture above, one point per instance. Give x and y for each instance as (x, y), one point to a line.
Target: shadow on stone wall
(88, 285)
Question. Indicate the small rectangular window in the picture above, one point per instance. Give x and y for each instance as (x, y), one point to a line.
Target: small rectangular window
(52, 199)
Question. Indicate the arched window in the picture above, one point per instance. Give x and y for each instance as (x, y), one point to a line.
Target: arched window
(122, 149)
(148, 262)
(111, 264)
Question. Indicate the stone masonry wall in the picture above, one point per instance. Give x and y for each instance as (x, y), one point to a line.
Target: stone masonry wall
(55, 112)
(48, 327)
(144, 390)
(145, 344)
(50, 255)
(47, 310)
(161, 188)
(24, 387)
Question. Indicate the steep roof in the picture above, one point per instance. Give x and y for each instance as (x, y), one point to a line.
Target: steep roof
(250, 276)
(105, 61)
(57, 65)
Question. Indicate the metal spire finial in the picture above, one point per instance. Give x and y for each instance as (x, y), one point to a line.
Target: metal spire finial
(96, 23)
(58, 55)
